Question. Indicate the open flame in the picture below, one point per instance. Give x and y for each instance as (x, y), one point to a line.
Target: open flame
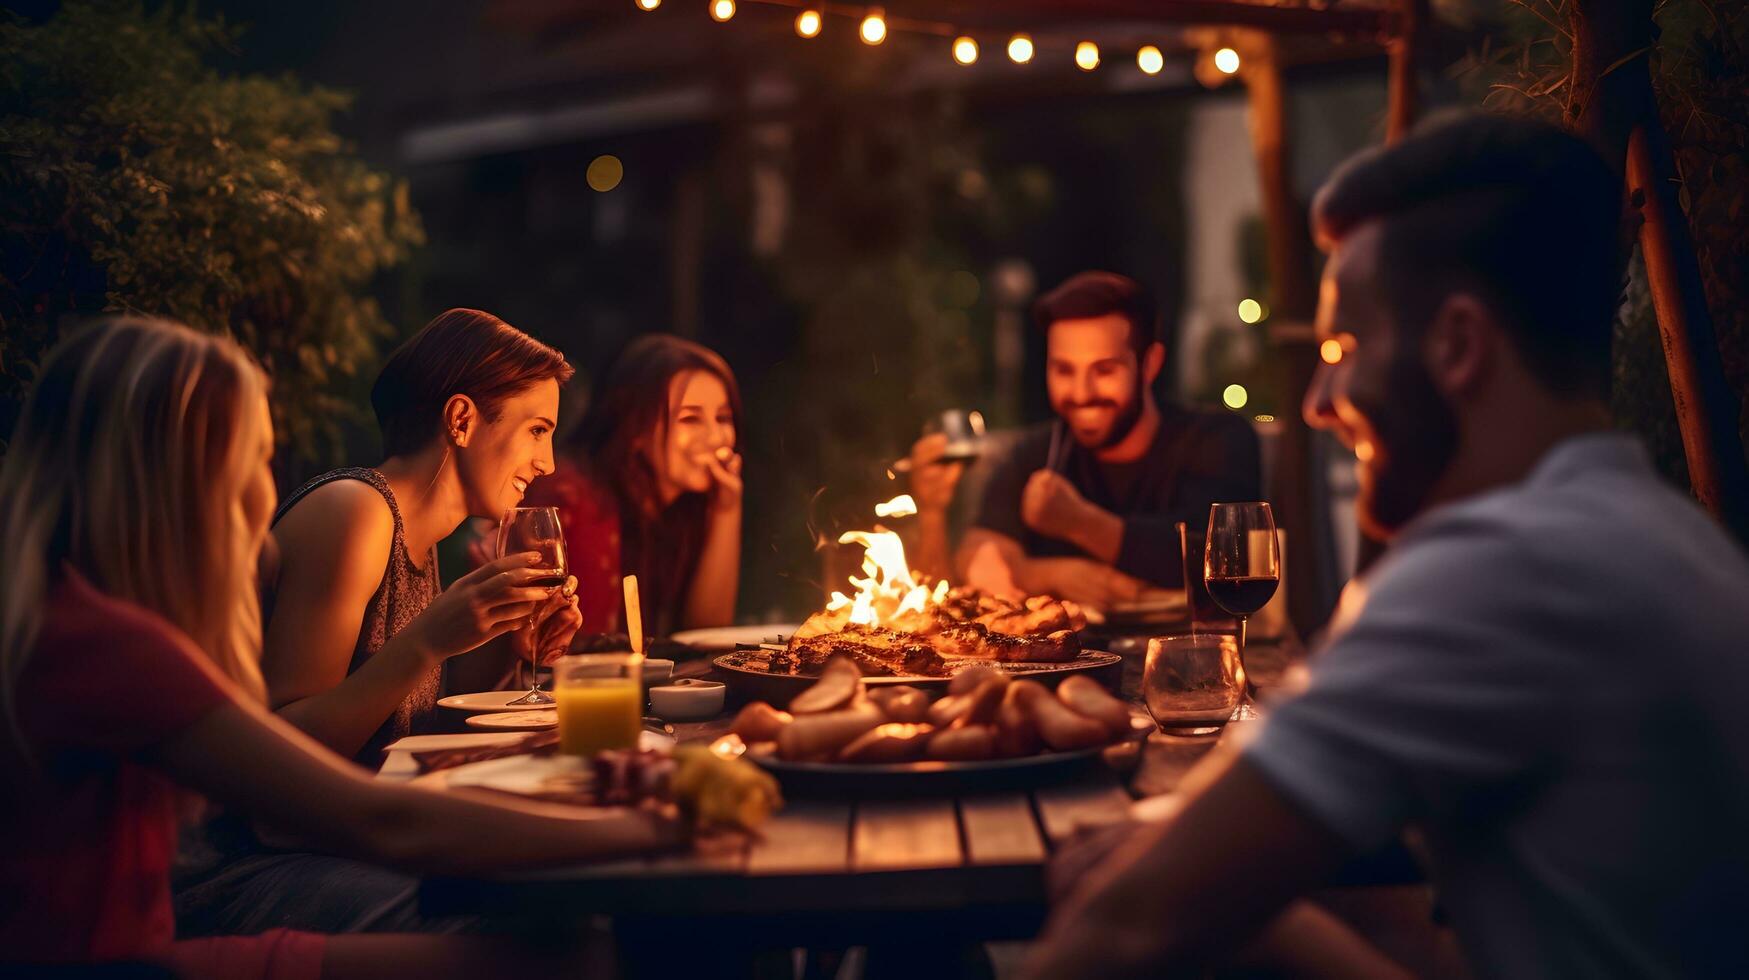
(887, 592)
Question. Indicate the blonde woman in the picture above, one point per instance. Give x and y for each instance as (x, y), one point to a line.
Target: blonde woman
(134, 500)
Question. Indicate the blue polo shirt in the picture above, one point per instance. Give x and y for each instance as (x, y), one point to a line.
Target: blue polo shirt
(1551, 682)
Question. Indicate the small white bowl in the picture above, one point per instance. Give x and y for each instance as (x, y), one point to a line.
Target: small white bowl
(687, 700)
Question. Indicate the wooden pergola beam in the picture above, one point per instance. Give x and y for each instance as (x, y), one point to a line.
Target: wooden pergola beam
(1613, 104)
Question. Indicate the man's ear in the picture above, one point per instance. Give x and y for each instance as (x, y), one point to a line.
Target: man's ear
(1153, 361)
(1461, 343)
(460, 417)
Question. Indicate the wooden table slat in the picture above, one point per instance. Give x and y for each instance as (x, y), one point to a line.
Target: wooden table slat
(1000, 830)
(805, 837)
(1062, 809)
(906, 834)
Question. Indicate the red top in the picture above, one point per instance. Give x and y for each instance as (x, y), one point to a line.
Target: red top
(90, 832)
(590, 517)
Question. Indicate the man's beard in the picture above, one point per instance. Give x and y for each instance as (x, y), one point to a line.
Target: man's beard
(1129, 415)
(1414, 439)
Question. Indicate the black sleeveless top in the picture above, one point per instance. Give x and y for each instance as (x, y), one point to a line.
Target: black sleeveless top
(405, 591)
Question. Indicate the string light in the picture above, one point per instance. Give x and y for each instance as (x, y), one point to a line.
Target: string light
(965, 50)
(649, 4)
(1227, 60)
(722, 10)
(1150, 60)
(1087, 55)
(1331, 351)
(808, 23)
(1020, 49)
(874, 27)
(1235, 396)
(1250, 311)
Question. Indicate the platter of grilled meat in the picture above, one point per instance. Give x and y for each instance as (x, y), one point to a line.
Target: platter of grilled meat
(1038, 637)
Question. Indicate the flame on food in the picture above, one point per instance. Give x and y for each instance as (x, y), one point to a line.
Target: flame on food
(887, 593)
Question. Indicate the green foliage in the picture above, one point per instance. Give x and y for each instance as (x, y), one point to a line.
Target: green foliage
(1700, 71)
(136, 178)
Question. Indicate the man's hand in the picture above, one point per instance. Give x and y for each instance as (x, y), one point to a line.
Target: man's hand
(1052, 506)
(933, 481)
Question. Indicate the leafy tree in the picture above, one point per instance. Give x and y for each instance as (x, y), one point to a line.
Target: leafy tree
(135, 177)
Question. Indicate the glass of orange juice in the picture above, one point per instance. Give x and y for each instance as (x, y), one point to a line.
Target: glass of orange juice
(600, 701)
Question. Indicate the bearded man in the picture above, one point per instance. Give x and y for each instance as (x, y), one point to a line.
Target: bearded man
(1084, 507)
(1542, 676)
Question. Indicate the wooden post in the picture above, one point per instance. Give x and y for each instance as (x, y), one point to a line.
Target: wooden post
(1404, 50)
(1292, 300)
(1612, 103)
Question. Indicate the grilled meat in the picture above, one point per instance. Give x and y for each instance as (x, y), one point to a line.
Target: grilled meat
(975, 641)
(879, 652)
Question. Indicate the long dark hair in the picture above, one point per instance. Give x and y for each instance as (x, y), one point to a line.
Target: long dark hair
(627, 420)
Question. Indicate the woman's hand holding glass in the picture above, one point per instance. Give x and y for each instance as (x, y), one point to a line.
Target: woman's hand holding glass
(552, 625)
(493, 599)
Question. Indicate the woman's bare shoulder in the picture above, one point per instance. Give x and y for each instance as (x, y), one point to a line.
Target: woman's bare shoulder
(341, 517)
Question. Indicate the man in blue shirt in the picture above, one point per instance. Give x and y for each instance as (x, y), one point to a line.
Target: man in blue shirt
(1543, 675)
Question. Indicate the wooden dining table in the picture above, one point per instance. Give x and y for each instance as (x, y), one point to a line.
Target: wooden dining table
(943, 869)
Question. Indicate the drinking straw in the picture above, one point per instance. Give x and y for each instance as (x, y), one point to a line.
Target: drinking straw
(634, 615)
(1056, 439)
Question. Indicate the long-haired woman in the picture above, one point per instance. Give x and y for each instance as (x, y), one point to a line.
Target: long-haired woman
(650, 484)
(356, 631)
(134, 500)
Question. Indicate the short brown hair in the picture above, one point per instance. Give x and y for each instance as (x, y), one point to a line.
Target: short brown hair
(1091, 294)
(461, 352)
(1521, 212)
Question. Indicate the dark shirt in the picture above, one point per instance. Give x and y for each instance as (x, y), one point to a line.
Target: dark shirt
(1196, 458)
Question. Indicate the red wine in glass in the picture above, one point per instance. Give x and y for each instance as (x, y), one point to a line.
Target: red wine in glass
(1242, 595)
(1241, 564)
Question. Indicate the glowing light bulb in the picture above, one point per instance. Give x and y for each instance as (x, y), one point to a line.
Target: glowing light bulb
(1235, 396)
(604, 173)
(965, 50)
(1087, 55)
(874, 27)
(1227, 60)
(1150, 60)
(1331, 351)
(808, 23)
(722, 10)
(649, 4)
(1020, 49)
(1250, 310)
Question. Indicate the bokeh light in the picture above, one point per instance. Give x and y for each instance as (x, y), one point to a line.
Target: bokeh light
(965, 50)
(1227, 60)
(1331, 351)
(1087, 55)
(722, 10)
(1235, 396)
(649, 4)
(808, 23)
(1150, 60)
(604, 173)
(874, 27)
(1250, 310)
(1020, 49)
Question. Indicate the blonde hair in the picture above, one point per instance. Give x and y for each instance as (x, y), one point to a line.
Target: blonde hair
(129, 464)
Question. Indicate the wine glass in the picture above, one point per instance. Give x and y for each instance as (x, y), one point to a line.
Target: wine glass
(1241, 565)
(534, 529)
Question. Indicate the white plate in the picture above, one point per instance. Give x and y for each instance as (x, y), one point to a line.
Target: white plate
(461, 740)
(485, 701)
(726, 637)
(538, 719)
